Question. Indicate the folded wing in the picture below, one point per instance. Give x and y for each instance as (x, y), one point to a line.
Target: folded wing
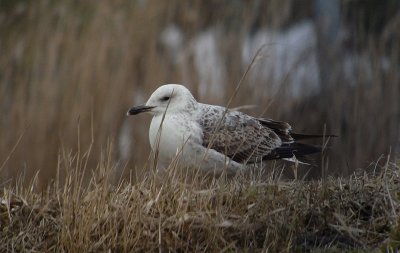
(245, 139)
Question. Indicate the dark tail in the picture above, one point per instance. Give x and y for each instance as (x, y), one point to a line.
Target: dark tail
(299, 150)
(297, 136)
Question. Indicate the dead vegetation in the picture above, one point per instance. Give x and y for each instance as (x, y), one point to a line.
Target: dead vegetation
(184, 211)
(65, 62)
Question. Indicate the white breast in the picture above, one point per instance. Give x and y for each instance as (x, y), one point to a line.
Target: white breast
(177, 134)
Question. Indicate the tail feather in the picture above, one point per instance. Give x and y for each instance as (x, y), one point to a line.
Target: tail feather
(297, 136)
(298, 150)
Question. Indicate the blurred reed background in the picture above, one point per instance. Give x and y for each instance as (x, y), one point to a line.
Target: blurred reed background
(69, 71)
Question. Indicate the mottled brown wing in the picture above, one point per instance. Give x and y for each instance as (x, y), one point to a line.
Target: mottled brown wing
(282, 129)
(240, 137)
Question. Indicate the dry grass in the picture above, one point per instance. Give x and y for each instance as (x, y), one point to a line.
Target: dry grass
(66, 62)
(185, 211)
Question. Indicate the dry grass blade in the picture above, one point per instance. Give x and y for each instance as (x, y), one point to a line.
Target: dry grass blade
(13, 149)
(182, 210)
(251, 65)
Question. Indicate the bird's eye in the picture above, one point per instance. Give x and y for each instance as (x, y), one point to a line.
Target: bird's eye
(166, 98)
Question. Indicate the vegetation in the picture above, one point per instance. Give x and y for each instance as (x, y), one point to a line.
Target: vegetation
(183, 210)
(65, 64)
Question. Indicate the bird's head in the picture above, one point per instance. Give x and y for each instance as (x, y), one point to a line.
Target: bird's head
(171, 98)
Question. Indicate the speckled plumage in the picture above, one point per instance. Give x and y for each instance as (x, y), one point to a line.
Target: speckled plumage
(239, 136)
(212, 137)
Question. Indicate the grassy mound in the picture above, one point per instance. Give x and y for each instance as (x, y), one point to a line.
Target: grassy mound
(182, 212)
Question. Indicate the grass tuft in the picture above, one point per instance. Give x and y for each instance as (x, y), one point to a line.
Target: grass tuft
(185, 211)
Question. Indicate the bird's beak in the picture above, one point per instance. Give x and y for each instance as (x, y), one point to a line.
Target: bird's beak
(139, 109)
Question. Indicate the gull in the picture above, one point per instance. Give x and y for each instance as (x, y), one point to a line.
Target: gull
(213, 137)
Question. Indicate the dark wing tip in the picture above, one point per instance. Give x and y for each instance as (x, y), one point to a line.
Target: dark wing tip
(298, 136)
(282, 129)
(292, 149)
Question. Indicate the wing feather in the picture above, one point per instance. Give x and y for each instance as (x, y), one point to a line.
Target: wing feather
(245, 139)
(239, 136)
